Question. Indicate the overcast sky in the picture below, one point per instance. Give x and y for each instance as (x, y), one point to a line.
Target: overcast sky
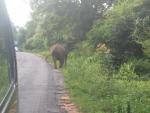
(19, 11)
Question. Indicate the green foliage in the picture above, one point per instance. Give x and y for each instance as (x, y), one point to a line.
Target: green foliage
(21, 37)
(95, 92)
(35, 44)
(126, 72)
(116, 31)
(70, 19)
(83, 49)
(142, 68)
(142, 30)
(143, 9)
(146, 45)
(22, 34)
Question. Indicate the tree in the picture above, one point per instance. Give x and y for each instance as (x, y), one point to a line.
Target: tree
(71, 19)
(21, 37)
(116, 31)
(65, 21)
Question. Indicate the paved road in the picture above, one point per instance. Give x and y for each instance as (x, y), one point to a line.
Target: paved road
(37, 90)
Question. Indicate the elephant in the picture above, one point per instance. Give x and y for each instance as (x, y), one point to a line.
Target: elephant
(59, 53)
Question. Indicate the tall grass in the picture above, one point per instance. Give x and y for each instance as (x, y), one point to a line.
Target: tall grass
(96, 89)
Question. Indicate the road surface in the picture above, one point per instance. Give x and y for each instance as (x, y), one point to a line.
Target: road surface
(37, 89)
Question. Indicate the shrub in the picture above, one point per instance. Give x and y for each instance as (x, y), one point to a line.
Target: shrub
(126, 72)
(142, 68)
(34, 43)
(93, 89)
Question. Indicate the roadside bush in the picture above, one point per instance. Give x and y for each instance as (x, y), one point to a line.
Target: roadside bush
(34, 43)
(142, 68)
(92, 88)
(126, 72)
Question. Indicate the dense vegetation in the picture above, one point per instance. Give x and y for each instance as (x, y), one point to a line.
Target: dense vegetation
(96, 90)
(108, 69)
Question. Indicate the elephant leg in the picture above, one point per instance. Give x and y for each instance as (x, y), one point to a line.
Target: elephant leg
(61, 63)
(65, 61)
(55, 64)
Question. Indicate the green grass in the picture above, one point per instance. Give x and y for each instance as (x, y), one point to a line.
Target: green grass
(95, 90)
(4, 80)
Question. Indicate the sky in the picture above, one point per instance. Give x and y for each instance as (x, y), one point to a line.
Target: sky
(19, 11)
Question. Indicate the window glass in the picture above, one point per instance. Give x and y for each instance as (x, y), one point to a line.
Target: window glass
(4, 73)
